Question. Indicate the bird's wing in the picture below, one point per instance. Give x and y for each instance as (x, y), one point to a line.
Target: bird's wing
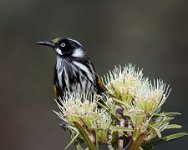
(56, 87)
(100, 85)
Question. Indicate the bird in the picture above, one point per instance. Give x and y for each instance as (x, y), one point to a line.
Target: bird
(74, 70)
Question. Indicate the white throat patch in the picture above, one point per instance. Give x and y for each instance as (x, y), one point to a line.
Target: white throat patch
(58, 51)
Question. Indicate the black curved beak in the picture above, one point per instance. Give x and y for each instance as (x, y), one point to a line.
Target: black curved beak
(47, 43)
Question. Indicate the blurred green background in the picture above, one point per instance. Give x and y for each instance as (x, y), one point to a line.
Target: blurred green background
(150, 34)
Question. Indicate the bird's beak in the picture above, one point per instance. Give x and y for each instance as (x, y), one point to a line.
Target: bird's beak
(47, 43)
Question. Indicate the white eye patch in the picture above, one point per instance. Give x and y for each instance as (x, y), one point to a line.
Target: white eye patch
(58, 51)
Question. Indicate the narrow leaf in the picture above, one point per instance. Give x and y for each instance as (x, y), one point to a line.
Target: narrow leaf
(147, 147)
(85, 136)
(174, 136)
(114, 137)
(96, 137)
(73, 140)
(79, 147)
(169, 114)
(119, 101)
(120, 129)
(174, 126)
(167, 139)
(103, 106)
(155, 130)
(172, 114)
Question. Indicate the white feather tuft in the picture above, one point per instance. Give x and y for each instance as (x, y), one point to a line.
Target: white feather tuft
(58, 51)
(78, 53)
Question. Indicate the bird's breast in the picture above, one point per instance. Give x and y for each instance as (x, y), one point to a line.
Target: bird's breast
(74, 75)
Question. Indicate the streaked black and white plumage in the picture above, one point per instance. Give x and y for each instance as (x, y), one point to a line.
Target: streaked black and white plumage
(74, 70)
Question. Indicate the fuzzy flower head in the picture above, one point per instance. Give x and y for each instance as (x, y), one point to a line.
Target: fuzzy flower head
(129, 115)
(150, 97)
(129, 85)
(83, 108)
(124, 82)
(139, 99)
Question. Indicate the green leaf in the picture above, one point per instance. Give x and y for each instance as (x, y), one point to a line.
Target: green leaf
(173, 126)
(141, 148)
(169, 114)
(103, 106)
(174, 136)
(79, 147)
(155, 130)
(166, 120)
(114, 137)
(85, 136)
(120, 129)
(148, 147)
(96, 137)
(172, 114)
(73, 140)
(119, 101)
(167, 139)
(114, 92)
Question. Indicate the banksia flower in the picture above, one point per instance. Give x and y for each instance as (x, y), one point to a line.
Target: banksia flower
(129, 115)
(83, 110)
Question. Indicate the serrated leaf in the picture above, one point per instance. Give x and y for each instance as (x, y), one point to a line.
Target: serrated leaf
(167, 139)
(85, 136)
(173, 126)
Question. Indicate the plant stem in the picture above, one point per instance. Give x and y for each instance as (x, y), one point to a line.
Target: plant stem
(137, 143)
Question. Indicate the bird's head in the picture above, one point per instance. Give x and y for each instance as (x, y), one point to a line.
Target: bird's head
(65, 47)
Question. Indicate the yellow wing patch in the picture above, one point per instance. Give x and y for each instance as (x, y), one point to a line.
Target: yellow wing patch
(100, 85)
(55, 90)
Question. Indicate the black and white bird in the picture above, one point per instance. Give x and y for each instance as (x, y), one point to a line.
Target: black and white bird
(73, 70)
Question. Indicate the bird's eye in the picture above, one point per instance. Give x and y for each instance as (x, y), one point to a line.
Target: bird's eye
(62, 44)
